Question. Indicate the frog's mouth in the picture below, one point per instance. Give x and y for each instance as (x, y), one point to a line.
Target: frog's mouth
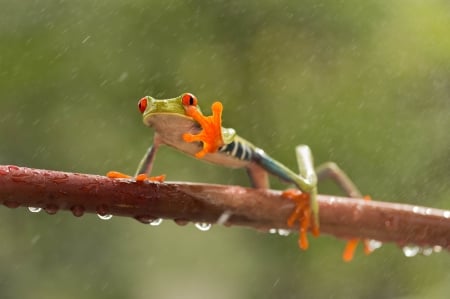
(151, 117)
(168, 122)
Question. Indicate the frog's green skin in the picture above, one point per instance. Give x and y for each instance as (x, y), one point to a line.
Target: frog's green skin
(167, 117)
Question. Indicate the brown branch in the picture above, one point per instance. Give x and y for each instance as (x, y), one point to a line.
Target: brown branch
(233, 205)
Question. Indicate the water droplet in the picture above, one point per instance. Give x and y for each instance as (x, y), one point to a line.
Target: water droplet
(374, 244)
(427, 251)
(203, 226)
(411, 251)
(283, 232)
(331, 200)
(11, 204)
(51, 209)
(272, 231)
(447, 214)
(102, 210)
(156, 222)
(146, 219)
(416, 209)
(437, 248)
(34, 209)
(12, 168)
(105, 216)
(181, 222)
(77, 211)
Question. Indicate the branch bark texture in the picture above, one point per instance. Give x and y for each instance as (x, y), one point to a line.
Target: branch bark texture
(229, 205)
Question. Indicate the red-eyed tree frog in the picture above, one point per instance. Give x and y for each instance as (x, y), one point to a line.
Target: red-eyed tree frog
(179, 123)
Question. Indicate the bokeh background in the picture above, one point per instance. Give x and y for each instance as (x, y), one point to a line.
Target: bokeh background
(364, 83)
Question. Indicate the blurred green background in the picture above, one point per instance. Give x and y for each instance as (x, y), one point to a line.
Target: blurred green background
(364, 83)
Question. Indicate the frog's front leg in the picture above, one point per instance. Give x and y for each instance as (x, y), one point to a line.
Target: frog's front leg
(146, 164)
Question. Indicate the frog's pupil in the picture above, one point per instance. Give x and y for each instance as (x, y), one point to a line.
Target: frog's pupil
(191, 100)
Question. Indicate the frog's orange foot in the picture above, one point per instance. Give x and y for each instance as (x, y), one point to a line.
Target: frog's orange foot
(211, 133)
(302, 214)
(350, 247)
(138, 178)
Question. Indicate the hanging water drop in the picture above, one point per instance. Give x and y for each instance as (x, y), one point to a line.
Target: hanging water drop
(410, 251)
(374, 244)
(156, 222)
(146, 219)
(34, 209)
(105, 216)
(437, 248)
(102, 210)
(51, 209)
(283, 232)
(203, 226)
(11, 204)
(273, 231)
(427, 251)
(77, 211)
(181, 222)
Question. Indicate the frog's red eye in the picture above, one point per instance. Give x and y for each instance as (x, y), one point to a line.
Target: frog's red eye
(189, 99)
(142, 104)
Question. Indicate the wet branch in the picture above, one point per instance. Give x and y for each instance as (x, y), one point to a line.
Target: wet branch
(229, 205)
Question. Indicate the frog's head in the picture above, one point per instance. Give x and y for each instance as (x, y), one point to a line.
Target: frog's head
(175, 107)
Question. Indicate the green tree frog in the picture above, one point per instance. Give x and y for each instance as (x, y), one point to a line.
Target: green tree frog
(179, 123)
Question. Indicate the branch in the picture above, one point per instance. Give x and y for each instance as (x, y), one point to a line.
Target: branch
(230, 205)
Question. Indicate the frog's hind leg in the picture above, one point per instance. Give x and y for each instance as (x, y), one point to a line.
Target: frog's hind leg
(306, 211)
(331, 170)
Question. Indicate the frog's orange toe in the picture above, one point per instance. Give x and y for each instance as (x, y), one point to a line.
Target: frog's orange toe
(349, 251)
(141, 177)
(117, 175)
(159, 178)
(190, 137)
(217, 109)
(303, 240)
(201, 154)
